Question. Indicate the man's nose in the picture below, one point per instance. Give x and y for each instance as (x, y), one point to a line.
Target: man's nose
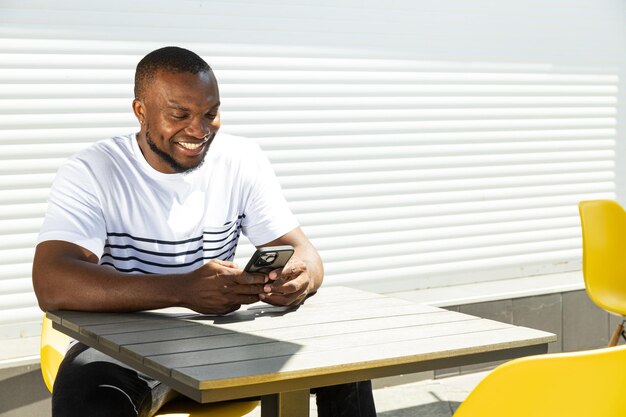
(199, 127)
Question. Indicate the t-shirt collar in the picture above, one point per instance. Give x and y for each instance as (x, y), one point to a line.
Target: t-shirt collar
(149, 169)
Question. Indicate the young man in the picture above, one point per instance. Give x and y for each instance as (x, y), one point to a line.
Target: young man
(152, 220)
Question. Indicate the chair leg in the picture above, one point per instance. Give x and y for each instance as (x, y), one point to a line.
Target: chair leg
(619, 330)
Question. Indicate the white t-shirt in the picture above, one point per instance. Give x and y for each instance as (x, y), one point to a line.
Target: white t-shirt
(109, 200)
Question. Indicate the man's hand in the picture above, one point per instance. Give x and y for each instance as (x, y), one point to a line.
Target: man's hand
(288, 286)
(219, 287)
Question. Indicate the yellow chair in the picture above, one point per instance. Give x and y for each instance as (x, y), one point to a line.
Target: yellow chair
(52, 350)
(590, 383)
(604, 257)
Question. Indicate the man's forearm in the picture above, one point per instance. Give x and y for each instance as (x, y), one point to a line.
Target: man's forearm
(67, 276)
(64, 280)
(78, 285)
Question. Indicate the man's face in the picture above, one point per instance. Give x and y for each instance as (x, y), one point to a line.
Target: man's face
(179, 114)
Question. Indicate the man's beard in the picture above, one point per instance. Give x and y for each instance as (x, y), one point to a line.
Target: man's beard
(167, 158)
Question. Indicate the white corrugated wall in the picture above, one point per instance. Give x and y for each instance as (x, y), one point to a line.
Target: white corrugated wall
(405, 172)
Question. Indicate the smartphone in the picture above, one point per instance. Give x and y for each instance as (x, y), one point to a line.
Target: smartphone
(268, 258)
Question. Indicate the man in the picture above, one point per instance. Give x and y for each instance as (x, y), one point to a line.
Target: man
(152, 220)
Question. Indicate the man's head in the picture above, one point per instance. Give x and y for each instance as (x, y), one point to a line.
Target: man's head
(177, 104)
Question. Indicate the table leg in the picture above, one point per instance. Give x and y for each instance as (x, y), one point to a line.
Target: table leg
(286, 404)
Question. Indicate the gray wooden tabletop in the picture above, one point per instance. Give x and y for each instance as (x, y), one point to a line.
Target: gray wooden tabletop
(339, 335)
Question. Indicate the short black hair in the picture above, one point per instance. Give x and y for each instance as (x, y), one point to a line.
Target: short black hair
(170, 58)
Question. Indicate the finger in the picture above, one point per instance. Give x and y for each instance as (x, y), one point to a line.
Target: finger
(247, 278)
(246, 289)
(275, 274)
(280, 275)
(289, 269)
(294, 269)
(291, 288)
(288, 285)
(282, 299)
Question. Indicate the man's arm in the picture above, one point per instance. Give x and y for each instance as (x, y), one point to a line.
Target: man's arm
(67, 277)
(302, 276)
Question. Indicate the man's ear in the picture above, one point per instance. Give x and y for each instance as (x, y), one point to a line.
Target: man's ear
(139, 110)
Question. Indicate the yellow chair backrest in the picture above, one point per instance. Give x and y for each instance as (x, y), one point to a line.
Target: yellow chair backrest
(52, 350)
(577, 384)
(604, 253)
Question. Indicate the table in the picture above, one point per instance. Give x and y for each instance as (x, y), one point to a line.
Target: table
(277, 353)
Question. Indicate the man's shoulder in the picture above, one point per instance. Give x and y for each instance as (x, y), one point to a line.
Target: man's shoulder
(98, 158)
(105, 150)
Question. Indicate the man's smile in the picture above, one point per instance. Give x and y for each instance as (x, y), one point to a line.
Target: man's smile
(190, 145)
(192, 148)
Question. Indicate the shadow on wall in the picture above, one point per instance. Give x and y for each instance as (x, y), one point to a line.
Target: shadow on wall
(24, 394)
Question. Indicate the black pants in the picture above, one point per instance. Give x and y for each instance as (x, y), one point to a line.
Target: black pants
(92, 384)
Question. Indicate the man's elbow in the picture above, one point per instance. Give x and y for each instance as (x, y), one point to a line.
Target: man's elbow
(45, 305)
(47, 295)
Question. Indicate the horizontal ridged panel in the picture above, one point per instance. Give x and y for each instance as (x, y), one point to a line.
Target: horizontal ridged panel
(15, 270)
(326, 116)
(20, 315)
(398, 169)
(16, 286)
(370, 260)
(21, 240)
(229, 105)
(428, 138)
(407, 175)
(253, 130)
(437, 214)
(433, 80)
(432, 219)
(20, 300)
(86, 135)
(474, 267)
(503, 186)
(518, 231)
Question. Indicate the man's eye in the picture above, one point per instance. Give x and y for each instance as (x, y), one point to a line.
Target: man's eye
(179, 116)
(211, 116)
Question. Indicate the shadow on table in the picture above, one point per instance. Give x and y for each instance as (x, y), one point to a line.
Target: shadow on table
(249, 314)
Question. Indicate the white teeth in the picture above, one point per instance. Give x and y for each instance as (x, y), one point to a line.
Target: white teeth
(190, 146)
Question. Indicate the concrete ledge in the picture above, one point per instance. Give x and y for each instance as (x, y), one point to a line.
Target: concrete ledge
(495, 290)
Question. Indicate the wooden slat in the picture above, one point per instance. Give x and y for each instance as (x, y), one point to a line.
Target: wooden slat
(134, 332)
(340, 295)
(245, 322)
(209, 342)
(112, 323)
(354, 358)
(260, 348)
(147, 323)
(179, 334)
(121, 337)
